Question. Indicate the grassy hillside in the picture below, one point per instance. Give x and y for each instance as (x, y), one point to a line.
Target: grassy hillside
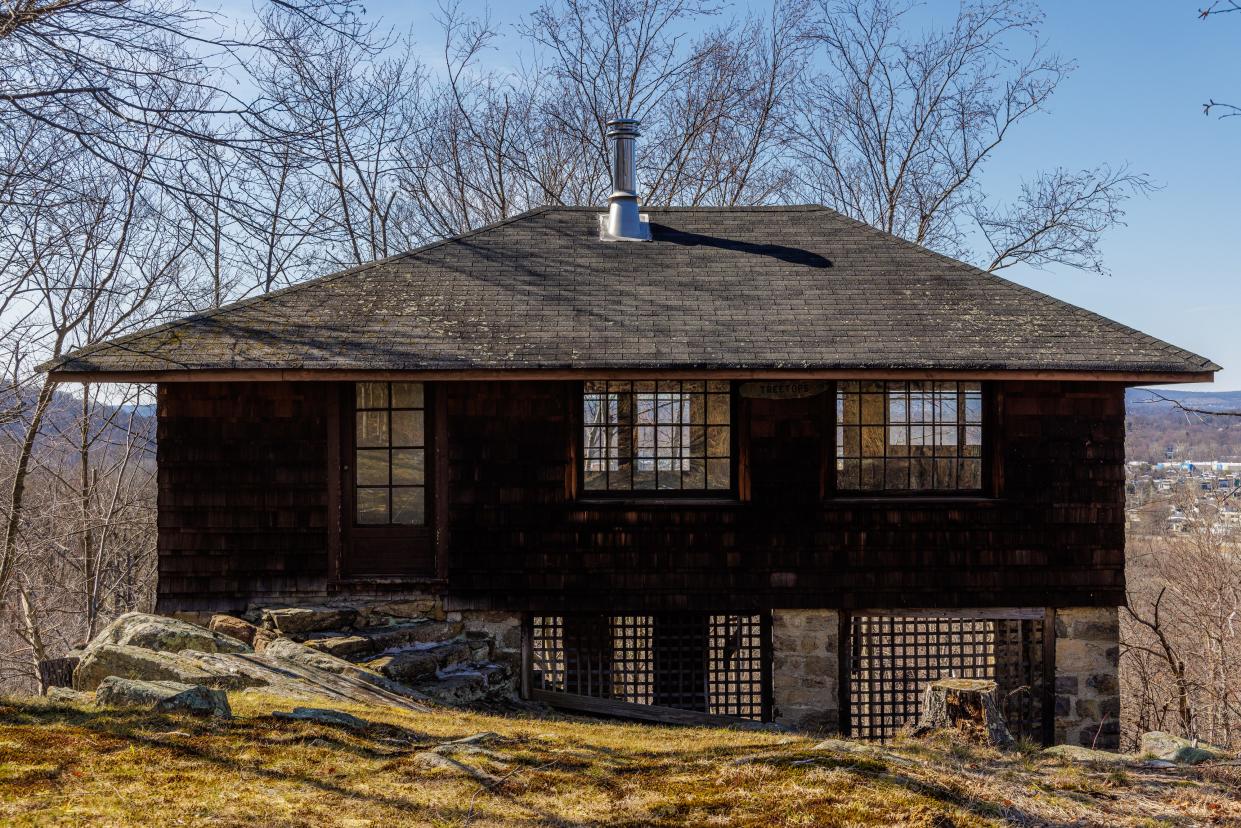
(71, 765)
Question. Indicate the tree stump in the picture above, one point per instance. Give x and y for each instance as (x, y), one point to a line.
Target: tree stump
(968, 705)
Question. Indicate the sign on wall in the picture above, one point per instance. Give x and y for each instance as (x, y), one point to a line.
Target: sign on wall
(783, 389)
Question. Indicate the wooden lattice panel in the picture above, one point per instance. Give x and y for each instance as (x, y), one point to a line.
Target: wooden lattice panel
(735, 664)
(894, 656)
(711, 664)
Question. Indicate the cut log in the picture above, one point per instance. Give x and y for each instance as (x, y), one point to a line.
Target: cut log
(967, 705)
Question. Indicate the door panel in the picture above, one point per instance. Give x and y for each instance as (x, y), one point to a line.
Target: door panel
(387, 480)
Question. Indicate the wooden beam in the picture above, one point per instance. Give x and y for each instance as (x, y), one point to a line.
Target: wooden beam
(535, 374)
(335, 496)
(1049, 677)
(975, 613)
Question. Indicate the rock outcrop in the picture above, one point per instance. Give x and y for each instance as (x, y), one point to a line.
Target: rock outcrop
(234, 627)
(376, 655)
(163, 696)
(1165, 746)
(299, 620)
(318, 714)
(167, 635)
(102, 661)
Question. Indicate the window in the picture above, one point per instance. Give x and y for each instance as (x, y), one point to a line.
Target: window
(666, 435)
(909, 436)
(390, 470)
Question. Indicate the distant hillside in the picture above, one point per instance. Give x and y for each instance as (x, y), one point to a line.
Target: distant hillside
(1154, 427)
(112, 423)
(1159, 430)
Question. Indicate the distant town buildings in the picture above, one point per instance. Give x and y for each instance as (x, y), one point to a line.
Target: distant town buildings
(1182, 496)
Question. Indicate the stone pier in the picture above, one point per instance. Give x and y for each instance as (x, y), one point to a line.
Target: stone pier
(1087, 677)
(805, 671)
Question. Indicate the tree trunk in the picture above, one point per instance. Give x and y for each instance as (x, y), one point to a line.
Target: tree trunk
(38, 654)
(8, 555)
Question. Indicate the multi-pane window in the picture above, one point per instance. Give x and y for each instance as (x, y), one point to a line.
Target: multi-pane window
(657, 435)
(909, 436)
(389, 438)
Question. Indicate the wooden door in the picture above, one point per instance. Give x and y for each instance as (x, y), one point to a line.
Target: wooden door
(387, 513)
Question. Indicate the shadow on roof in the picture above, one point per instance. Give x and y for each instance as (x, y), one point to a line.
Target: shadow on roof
(794, 255)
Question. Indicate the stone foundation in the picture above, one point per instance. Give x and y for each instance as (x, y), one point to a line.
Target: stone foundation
(1087, 677)
(805, 676)
(372, 609)
(504, 628)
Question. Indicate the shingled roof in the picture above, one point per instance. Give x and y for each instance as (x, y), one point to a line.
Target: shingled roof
(800, 288)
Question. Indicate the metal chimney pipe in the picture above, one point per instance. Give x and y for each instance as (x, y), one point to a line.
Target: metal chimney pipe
(623, 222)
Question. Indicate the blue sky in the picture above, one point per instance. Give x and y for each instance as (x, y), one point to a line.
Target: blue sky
(1144, 70)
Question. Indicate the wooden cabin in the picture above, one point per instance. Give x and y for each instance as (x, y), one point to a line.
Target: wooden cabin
(767, 463)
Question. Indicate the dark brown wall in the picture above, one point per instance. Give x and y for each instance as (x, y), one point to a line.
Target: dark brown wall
(243, 510)
(1054, 536)
(242, 492)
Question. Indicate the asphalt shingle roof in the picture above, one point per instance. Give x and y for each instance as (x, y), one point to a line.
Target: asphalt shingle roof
(745, 288)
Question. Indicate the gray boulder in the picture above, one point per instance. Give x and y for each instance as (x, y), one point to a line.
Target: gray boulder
(67, 695)
(342, 646)
(375, 640)
(420, 663)
(222, 670)
(166, 635)
(301, 620)
(324, 716)
(408, 666)
(1077, 753)
(129, 662)
(1171, 748)
(163, 696)
(457, 688)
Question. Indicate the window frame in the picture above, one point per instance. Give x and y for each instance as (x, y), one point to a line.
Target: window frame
(427, 435)
(578, 420)
(990, 475)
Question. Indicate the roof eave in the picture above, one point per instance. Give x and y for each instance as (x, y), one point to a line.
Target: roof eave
(1127, 376)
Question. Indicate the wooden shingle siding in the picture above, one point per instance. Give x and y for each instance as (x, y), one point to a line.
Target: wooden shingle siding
(1053, 536)
(243, 509)
(242, 493)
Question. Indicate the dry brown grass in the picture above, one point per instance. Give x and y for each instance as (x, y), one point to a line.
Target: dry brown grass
(67, 765)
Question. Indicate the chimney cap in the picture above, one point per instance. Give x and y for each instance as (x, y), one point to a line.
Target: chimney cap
(623, 221)
(626, 127)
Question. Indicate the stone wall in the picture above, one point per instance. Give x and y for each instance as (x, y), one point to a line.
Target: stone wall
(503, 627)
(372, 608)
(1087, 677)
(805, 676)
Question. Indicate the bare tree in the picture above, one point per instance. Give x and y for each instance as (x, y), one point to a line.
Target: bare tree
(1181, 633)
(93, 267)
(1224, 110)
(1059, 218)
(715, 109)
(96, 71)
(351, 109)
(897, 128)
